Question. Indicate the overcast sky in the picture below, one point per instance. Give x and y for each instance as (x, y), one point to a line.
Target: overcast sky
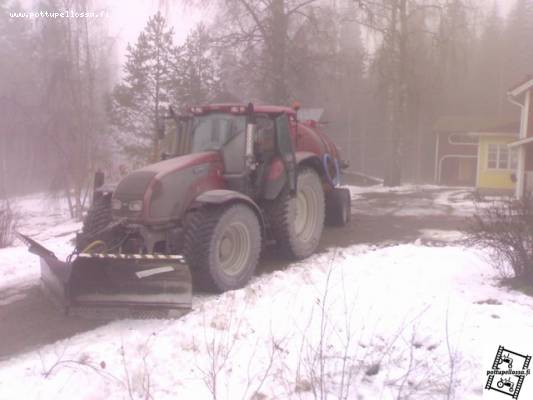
(505, 5)
(128, 17)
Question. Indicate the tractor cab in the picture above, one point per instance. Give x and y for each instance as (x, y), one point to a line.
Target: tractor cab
(248, 140)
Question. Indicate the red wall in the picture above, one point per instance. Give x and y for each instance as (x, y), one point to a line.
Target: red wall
(449, 173)
(529, 158)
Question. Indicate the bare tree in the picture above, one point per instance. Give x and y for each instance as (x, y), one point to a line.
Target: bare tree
(72, 113)
(391, 20)
(264, 32)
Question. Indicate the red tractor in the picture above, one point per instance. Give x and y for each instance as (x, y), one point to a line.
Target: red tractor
(233, 178)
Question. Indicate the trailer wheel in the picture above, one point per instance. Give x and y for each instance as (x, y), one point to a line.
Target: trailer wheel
(97, 218)
(338, 207)
(222, 246)
(297, 221)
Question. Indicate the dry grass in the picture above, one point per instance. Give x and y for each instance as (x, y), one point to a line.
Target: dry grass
(506, 227)
(7, 224)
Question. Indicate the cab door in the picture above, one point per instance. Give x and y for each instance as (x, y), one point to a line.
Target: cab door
(286, 150)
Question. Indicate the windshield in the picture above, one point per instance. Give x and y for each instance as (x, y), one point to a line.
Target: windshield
(212, 131)
(201, 133)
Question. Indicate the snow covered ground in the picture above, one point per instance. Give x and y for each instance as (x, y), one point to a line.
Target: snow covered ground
(407, 321)
(421, 200)
(46, 220)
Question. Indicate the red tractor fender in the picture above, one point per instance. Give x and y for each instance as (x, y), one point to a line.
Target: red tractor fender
(276, 178)
(313, 160)
(302, 156)
(226, 197)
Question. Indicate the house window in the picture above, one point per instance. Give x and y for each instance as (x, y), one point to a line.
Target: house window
(501, 157)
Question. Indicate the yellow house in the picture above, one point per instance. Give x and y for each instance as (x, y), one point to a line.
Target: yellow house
(496, 162)
(464, 145)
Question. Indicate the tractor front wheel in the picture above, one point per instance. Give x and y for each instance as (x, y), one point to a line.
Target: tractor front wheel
(222, 246)
(297, 221)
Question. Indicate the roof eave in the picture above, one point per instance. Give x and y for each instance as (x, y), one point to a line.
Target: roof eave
(517, 91)
(493, 134)
(521, 142)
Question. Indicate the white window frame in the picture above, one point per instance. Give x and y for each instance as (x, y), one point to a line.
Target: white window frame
(472, 142)
(511, 159)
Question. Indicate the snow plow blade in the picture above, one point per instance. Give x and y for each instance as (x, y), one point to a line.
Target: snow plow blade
(109, 286)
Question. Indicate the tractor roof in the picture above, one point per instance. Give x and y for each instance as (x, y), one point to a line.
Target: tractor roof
(239, 108)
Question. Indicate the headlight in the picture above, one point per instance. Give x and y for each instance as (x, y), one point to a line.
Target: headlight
(116, 204)
(136, 205)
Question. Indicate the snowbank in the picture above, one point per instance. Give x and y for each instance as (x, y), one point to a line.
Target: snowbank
(407, 321)
(44, 219)
(353, 322)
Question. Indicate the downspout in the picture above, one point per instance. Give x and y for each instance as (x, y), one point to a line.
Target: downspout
(520, 176)
(437, 161)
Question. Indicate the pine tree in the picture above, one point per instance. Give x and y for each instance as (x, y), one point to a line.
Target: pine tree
(137, 104)
(195, 70)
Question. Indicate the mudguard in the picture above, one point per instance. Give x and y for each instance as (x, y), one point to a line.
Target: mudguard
(224, 196)
(302, 156)
(313, 160)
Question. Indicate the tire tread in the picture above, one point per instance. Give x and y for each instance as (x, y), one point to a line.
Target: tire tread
(200, 228)
(278, 214)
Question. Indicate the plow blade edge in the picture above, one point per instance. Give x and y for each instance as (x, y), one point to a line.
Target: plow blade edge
(116, 286)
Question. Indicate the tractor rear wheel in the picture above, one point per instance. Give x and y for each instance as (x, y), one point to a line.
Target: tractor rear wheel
(297, 221)
(97, 218)
(222, 246)
(338, 207)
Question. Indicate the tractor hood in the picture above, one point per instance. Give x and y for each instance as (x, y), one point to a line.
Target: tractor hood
(160, 192)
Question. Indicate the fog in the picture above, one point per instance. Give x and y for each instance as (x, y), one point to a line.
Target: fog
(75, 98)
(318, 184)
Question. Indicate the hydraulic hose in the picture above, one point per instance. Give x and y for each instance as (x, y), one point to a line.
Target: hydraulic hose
(335, 181)
(91, 246)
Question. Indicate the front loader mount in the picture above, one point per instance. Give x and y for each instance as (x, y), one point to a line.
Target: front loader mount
(108, 286)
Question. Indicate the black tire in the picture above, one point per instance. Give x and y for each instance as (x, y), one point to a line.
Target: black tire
(222, 246)
(297, 221)
(338, 207)
(98, 217)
